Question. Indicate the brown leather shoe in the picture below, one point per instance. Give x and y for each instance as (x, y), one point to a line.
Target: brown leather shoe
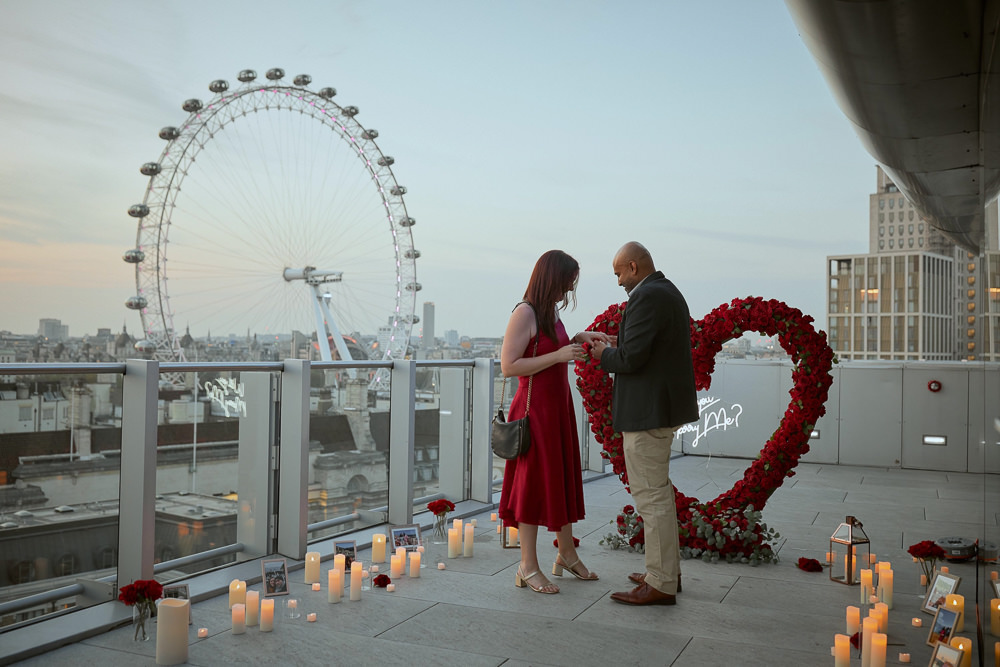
(640, 578)
(644, 594)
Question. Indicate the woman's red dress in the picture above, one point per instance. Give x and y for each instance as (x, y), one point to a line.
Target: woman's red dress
(545, 486)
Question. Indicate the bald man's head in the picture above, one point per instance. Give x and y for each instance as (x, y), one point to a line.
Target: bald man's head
(632, 263)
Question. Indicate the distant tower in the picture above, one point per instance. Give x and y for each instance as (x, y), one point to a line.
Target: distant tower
(427, 338)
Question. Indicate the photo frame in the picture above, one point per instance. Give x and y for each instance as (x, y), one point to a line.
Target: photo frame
(946, 656)
(941, 586)
(943, 627)
(274, 577)
(347, 547)
(509, 537)
(180, 592)
(406, 536)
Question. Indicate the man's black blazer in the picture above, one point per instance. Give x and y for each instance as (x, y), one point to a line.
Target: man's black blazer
(654, 376)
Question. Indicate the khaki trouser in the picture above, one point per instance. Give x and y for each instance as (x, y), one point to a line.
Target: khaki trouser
(647, 460)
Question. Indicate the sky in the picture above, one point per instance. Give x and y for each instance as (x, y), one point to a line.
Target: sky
(703, 130)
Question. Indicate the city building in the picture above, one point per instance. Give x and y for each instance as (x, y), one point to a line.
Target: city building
(427, 335)
(913, 296)
(53, 330)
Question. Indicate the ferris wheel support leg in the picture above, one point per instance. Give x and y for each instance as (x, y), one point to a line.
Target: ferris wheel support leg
(321, 336)
(331, 324)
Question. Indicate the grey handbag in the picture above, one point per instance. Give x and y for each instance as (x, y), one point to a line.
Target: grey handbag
(510, 440)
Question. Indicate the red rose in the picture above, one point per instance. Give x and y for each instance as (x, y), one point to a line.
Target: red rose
(441, 506)
(809, 564)
(381, 581)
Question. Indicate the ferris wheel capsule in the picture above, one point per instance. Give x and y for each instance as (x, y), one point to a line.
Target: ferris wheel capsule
(369, 134)
(134, 256)
(351, 111)
(137, 302)
(386, 161)
(145, 346)
(414, 287)
(150, 169)
(219, 86)
(407, 222)
(275, 73)
(169, 133)
(398, 190)
(302, 80)
(192, 105)
(247, 75)
(327, 93)
(138, 210)
(412, 253)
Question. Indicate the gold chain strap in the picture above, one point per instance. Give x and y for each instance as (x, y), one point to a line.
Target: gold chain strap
(534, 353)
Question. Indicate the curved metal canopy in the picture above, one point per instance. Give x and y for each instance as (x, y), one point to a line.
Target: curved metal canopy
(917, 79)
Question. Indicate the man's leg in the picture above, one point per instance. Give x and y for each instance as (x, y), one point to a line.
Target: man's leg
(647, 459)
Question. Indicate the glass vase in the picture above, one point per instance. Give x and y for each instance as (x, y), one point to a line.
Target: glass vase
(142, 612)
(440, 534)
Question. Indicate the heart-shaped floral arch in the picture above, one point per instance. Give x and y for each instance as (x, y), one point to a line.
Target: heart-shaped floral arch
(721, 525)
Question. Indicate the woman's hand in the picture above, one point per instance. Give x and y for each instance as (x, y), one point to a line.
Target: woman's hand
(571, 352)
(594, 336)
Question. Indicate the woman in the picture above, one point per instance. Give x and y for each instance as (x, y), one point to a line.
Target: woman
(545, 486)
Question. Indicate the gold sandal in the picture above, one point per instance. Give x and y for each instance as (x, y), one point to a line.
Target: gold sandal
(521, 580)
(560, 564)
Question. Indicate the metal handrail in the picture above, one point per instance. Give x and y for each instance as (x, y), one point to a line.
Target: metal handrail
(40, 598)
(235, 548)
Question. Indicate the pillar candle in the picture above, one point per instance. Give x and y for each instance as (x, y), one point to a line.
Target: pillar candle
(879, 645)
(312, 567)
(469, 537)
(995, 617)
(499, 529)
(853, 620)
(253, 608)
(512, 537)
(401, 552)
(882, 614)
(842, 651)
(355, 581)
(996, 652)
(885, 587)
(457, 523)
(923, 580)
(336, 586)
(869, 627)
(172, 616)
(395, 566)
(267, 615)
(453, 543)
(239, 613)
(414, 564)
(993, 575)
(956, 602)
(378, 549)
(493, 516)
(237, 592)
(866, 586)
(829, 559)
(965, 644)
(872, 558)
(340, 562)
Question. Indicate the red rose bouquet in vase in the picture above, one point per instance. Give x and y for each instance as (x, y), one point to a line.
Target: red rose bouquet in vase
(141, 595)
(927, 554)
(440, 508)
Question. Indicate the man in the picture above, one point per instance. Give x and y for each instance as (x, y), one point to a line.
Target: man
(653, 396)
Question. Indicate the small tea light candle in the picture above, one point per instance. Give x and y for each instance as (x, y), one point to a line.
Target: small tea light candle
(944, 569)
(872, 599)
(202, 632)
(917, 622)
(993, 575)
(390, 588)
(316, 586)
(493, 516)
(474, 523)
(904, 657)
(923, 580)
(293, 603)
(374, 569)
(420, 549)
(364, 574)
(311, 617)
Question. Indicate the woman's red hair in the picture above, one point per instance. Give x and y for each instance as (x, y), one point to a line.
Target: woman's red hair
(552, 280)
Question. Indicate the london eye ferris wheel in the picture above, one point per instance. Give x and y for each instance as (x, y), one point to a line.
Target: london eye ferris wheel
(292, 220)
